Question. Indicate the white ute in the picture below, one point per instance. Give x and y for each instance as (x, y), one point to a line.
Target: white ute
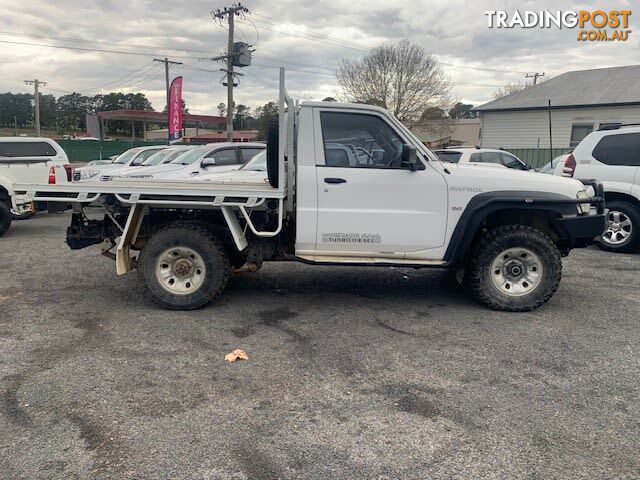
(502, 231)
(28, 160)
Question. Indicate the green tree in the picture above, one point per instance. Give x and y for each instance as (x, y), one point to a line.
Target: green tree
(268, 113)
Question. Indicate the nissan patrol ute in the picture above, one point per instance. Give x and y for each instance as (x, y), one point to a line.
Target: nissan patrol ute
(383, 199)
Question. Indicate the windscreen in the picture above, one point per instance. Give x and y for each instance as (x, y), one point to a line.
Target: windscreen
(174, 154)
(257, 164)
(191, 156)
(156, 158)
(126, 156)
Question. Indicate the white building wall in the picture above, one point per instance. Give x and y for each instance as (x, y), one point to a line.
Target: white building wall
(524, 129)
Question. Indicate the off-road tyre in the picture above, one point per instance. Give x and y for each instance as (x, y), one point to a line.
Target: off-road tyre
(488, 249)
(25, 216)
(188, 236)
(5, 217)
(632, 242)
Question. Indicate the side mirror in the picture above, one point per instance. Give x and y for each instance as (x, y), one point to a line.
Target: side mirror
(409, 157)
(208, 162)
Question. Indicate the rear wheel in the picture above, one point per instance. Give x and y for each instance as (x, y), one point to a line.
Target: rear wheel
(183, 267)
(623, 228)
(5, 217)
(514, 268)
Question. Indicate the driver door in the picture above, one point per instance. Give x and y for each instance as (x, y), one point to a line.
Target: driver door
(367, 204)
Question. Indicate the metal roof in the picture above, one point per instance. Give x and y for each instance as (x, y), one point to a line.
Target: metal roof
(582, 88)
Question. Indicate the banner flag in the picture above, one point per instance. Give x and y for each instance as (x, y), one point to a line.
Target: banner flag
(175, 111)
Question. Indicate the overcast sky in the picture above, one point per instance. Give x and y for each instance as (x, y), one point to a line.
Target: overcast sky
(307, 37)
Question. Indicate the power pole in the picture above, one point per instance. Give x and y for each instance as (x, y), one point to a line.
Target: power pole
(166, 62)
(229, 13)
(36, 83)
(534, 76)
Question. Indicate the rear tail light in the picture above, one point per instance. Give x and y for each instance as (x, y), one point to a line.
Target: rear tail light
(569, 166)
(52, 176)
(69, 170)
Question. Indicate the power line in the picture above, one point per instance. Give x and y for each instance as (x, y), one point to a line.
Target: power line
(130, 77)
(273, 21)
(307, 35)
(140, 54)
(94, 42)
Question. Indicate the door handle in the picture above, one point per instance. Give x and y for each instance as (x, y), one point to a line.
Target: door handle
(334, 180)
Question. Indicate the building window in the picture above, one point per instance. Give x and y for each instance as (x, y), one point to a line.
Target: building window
(578, 132)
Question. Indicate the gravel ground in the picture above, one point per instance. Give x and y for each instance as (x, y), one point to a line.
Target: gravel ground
(352, 373)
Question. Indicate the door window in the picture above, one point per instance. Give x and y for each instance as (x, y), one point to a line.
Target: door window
(621, 149)
(224, 157)
(486, 157)
(355, 140)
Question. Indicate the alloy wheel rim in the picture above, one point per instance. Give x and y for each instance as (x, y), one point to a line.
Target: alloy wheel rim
(180, 270)
(516, 272)
(619, 228)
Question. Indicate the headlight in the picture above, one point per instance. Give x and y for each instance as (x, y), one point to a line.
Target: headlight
(583, 207)
(87, 174)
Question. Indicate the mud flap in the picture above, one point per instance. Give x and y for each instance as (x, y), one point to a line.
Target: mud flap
(234, 227)
(129, 236)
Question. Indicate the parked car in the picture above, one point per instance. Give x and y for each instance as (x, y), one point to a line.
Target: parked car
(214, 157)
(481, 156)
(162, 157)
(254, 171)
(131, 158)
(28, 160)
(612, 156)
(556, 165)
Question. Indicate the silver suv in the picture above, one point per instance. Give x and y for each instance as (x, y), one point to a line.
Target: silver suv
(612, 156)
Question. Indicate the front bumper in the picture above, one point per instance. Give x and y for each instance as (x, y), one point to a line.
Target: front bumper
(584, 229)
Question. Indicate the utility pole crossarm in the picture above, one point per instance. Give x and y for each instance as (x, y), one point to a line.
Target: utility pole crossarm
(36, 84)
(534, 76)
(229, 13)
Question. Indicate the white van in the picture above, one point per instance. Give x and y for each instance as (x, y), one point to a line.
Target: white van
(28, 159)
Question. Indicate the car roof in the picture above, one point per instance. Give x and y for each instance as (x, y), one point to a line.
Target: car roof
(26, 139)
(475, 149)
(236, 144)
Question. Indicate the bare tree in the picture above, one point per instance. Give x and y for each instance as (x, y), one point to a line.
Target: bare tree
(400, 77)
(508, 89)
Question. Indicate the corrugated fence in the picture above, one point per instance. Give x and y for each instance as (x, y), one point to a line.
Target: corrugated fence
(87, 150)
(536, 157)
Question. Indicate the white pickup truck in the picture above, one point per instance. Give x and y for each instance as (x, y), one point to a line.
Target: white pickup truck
(502, 231)
(31, 160)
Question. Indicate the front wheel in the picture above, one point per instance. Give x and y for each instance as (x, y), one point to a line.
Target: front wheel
(5, 217)
(183, 267)
(514, 268)
(623, 225)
